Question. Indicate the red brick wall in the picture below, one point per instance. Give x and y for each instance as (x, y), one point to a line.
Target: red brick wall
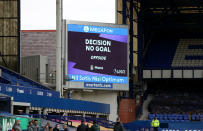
(127, 110)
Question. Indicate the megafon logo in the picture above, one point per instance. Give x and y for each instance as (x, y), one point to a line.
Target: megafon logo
(97, 29)
(86, 29)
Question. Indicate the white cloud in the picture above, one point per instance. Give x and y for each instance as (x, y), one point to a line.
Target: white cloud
(41, 14)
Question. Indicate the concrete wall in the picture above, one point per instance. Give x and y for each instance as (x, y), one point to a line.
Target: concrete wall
(40, 43)
(107, 97)
(34, 67)
(43, 69)
(9, 33)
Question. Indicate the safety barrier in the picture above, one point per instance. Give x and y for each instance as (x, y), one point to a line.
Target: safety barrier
(67, 119)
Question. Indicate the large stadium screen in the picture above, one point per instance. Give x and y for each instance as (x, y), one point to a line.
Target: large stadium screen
(97, 54)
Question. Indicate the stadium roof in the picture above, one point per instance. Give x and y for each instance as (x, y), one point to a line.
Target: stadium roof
(162, 3)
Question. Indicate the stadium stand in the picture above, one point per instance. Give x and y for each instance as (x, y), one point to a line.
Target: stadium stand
(166, 47)
(40, 97)
(189, 53)
(175, 52)
(169, 126)
(176, 104)
(170, 65)
(14, 78)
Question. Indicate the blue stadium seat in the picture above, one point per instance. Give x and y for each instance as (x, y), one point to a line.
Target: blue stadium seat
(172, 120)
(186, 118)
(180, 117)
(17, 79)
(165, 118)
(182, 120)
(164, 46)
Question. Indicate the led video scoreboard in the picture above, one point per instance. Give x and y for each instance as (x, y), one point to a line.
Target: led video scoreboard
(96, 55)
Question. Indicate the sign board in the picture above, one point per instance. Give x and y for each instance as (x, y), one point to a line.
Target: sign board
(96, 55)
(6, 123)
(4, 88)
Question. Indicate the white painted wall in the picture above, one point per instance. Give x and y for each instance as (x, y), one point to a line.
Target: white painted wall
(107, 97)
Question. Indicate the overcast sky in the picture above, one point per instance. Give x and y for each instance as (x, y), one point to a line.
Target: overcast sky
(41, 14)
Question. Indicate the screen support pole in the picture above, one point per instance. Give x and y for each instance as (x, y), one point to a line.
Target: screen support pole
(58, 46)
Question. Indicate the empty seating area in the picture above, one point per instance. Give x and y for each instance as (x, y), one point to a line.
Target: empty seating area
(160, 53)
(196, 46)
(13, 78)
(176, 117)
(178, 103)
(189, 53)
(41, 98)
(165, 126)
(188, 57)
(174, 52)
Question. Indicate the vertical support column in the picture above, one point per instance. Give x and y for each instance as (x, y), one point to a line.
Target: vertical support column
(65, 114)
(83, 114)
(12, 106)
(19, 19)
(131, 49)
(131, 36)
(97, 115)
(124, 12)
(70, 94)
(45, 111)
(107, 117)
(27, 110)
(39, 111)
(140, 42)
(58, 45)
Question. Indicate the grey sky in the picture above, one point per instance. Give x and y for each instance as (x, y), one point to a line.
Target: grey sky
(41, 14)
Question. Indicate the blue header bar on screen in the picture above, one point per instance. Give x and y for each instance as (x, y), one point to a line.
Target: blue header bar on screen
(97, 29)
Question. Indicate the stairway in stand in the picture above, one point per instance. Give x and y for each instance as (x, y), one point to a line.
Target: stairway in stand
(145, 113)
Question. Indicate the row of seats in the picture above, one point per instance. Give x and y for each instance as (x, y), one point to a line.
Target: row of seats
(168, 129)
(198, 46)
(17, 79)
(194, 58)
(176, 103)
(5, 113)
(173, 102)
(164, 125)
(166, 47)
(175, 52)
(175, 129)
(176, 117)
(189, 53)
